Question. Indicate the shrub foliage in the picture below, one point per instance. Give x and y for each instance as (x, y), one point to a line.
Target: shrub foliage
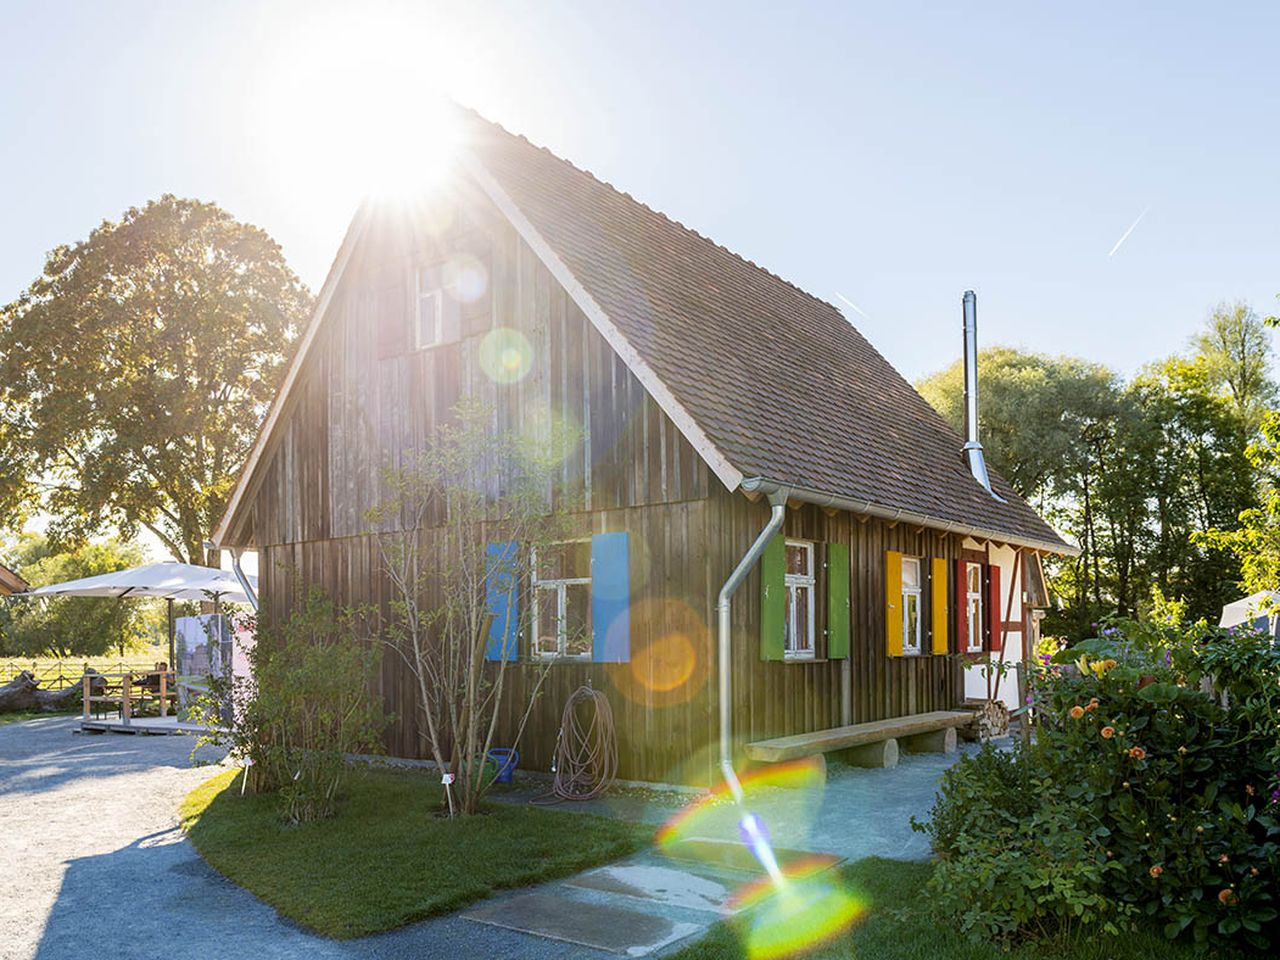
(303, 710)
(1151, 791)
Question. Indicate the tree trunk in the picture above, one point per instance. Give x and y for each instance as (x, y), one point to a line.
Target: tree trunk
(19, 693)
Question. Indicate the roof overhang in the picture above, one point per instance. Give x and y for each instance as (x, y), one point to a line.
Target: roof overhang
(766, 486)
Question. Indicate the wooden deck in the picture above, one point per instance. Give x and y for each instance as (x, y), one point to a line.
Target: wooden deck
(143, 725)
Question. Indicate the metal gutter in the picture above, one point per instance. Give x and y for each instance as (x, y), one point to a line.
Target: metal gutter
(724, 607)
(245, 585)
(770, 487)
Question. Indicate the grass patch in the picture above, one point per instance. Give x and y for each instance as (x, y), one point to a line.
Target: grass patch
(899, 926)
(385, 860)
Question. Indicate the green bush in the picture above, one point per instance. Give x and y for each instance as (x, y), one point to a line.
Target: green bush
(305, 708)
(1155, 794)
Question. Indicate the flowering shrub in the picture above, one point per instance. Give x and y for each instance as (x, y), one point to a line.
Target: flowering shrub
(1162, 744)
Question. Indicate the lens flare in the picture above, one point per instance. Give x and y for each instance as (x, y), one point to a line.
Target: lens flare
(466, 277)
(807, 909)
(716, 815)
(506, 356)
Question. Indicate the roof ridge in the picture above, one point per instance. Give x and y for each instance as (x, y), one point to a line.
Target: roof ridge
(653, 210)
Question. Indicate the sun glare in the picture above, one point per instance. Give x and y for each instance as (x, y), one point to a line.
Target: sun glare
(361, 95)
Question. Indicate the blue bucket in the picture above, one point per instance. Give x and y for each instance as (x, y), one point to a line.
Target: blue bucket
(506, 761)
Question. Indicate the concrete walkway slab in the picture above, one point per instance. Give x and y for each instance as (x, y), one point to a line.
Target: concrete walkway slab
(658, 884)
(619, 930)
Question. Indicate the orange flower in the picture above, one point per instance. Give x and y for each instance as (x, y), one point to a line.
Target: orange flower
(1224, 859)
(1107, 732)
(1092, 705)
(1249, 789)
(1227, 896)
(1077, 712)
(1137, 753)
(1156, 871)
(1253, 871)
(1111, 664)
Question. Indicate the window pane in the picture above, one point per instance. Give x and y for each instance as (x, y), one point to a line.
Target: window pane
(911, 622)
(798, 559)
(910, 572)
(565, 561)
(802, 638)
(577, 619)
(975, 577)
(546, 640)
(975, 623)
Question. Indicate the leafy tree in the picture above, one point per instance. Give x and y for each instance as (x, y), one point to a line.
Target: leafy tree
(1130, 472)
(74, 626)
(1235, 347)
(135, 369)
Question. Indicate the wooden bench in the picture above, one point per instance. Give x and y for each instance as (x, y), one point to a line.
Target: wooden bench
(874, 744)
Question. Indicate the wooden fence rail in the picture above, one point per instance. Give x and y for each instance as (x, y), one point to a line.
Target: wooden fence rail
(59, 674)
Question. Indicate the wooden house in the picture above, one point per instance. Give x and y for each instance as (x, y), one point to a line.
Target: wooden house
(706, 389)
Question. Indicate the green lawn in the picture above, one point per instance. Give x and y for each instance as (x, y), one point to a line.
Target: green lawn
(898, 926)
(385, 859)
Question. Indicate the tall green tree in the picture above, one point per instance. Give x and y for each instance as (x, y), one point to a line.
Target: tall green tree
(74, 626)
(134, 372)
(1235, 347)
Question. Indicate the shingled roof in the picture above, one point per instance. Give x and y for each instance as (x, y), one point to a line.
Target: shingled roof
(769, 383)
(780, 383)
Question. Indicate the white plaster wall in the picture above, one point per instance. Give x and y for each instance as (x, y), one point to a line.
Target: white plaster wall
(975, 684)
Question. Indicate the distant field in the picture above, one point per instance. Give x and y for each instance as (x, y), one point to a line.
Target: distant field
(54, 674)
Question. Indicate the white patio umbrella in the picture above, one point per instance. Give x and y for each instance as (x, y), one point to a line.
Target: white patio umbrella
(169, 581)
(1254, 609)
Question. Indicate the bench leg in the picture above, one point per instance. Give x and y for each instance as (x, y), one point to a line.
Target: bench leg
(881, 754)
(935, 741)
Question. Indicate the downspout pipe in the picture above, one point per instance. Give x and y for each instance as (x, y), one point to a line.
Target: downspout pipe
(241, 578)
(724, 609)
(245, 585)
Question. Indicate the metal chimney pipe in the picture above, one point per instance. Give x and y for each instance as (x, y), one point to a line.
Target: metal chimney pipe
(972, 447)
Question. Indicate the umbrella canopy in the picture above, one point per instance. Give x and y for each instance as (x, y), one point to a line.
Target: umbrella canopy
(1252, 609)
(170, 581)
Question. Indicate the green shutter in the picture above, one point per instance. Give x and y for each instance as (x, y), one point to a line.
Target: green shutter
(773, 599)
(837, 601)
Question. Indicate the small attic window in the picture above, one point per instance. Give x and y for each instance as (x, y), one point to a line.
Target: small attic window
(428, 318)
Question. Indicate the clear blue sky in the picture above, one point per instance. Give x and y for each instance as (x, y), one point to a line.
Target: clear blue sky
(893, 153)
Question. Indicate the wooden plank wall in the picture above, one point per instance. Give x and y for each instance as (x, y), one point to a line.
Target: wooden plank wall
(361, 411)
(774, 698)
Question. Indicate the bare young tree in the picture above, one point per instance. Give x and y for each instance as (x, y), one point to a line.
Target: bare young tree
(456, 540)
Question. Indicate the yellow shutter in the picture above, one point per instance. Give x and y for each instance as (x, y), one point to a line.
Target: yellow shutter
(893, 603)
(939, 605)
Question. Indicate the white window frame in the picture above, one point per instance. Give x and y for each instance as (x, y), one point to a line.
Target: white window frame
(793, 583)
(912, 646)
(973, 635)
(560, 587)
(435, 296)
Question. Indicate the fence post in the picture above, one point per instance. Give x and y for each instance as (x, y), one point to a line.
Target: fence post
(88, 692)
(125, 709)
(164, 693)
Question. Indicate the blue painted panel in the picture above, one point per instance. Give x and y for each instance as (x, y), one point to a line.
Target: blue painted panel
(503, 601)
(610, 598)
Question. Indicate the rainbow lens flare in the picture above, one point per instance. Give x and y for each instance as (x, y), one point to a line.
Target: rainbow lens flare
(805, 910)
(717, 815)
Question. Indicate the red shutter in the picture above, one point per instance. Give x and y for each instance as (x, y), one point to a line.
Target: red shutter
(994, 616)
(962, 606)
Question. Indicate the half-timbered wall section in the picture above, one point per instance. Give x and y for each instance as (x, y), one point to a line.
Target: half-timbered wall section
(371, 395)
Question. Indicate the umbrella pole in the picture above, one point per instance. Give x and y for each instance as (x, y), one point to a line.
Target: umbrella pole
(173, 643)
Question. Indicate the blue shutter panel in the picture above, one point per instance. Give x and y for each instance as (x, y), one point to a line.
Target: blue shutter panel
(502, 600)
(610, 598)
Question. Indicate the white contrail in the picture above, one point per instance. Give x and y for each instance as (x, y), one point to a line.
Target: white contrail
(1125, 236)
(852, 304)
